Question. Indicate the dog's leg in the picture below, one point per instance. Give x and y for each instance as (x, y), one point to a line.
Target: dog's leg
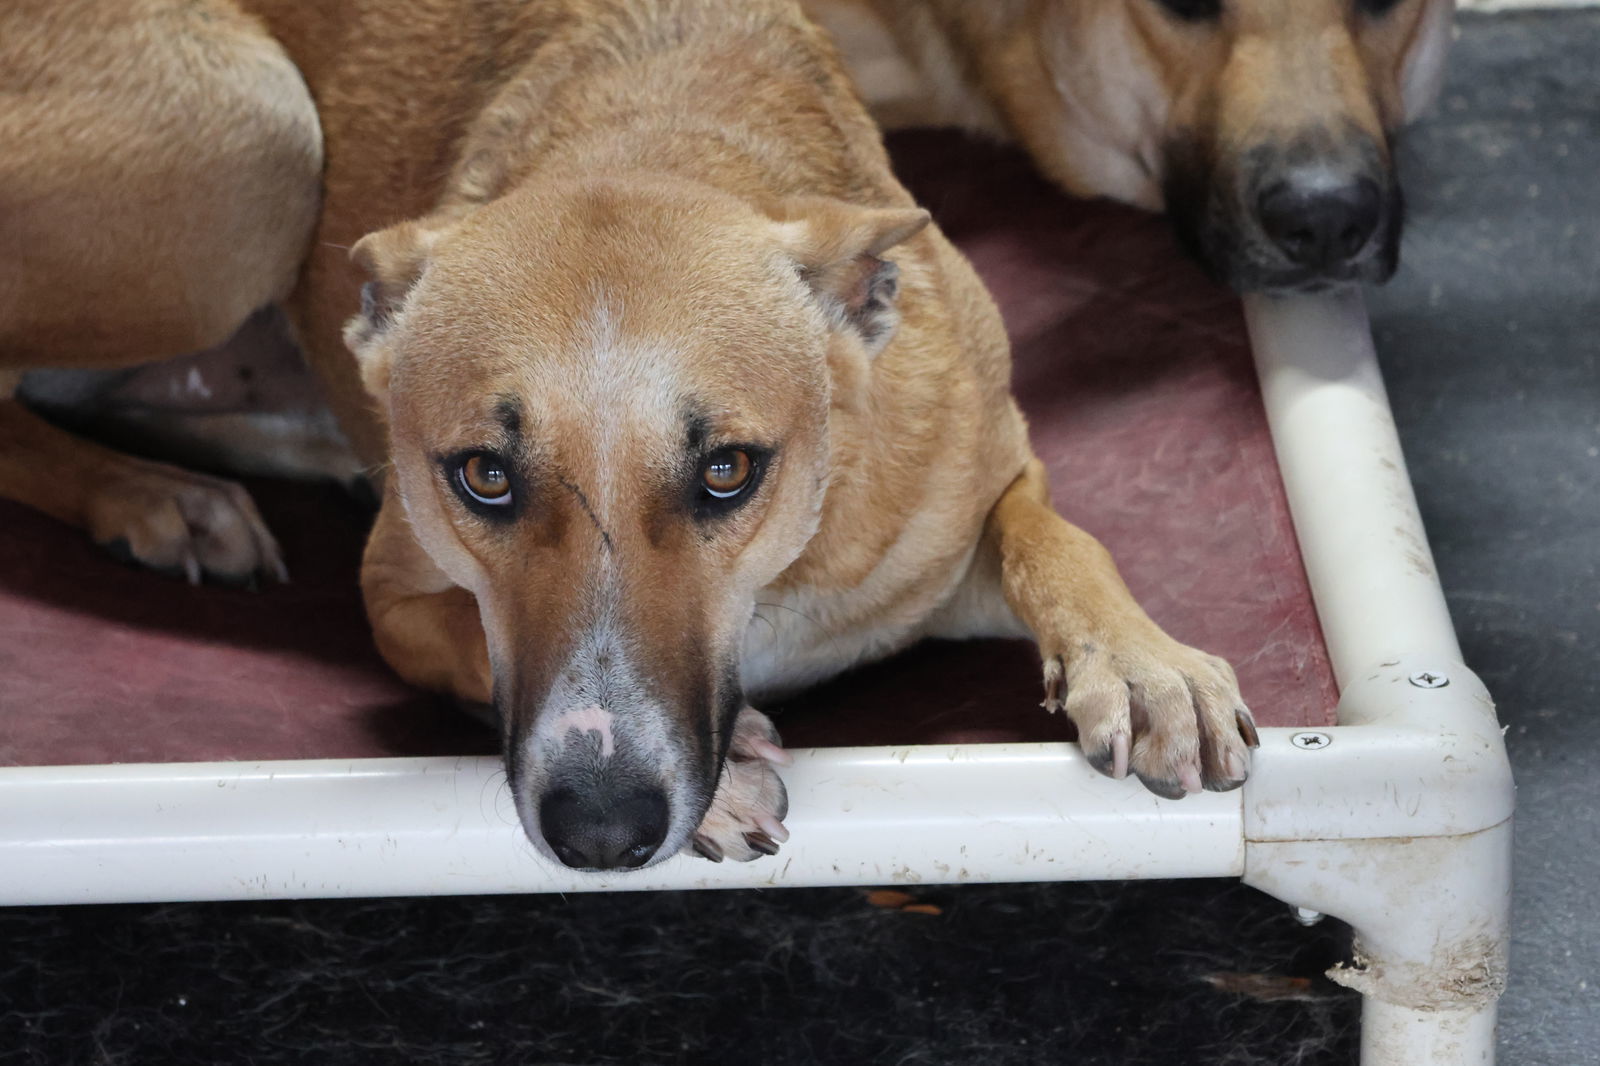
(166, 518)
(161, 178)
(1141, 701)
(427, 627)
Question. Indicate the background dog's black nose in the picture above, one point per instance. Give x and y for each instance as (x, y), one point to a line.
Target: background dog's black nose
(604, 831)
(1320, 221)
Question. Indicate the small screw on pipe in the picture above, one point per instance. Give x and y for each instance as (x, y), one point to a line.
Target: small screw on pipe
(1306, 916)
(1429, 679)
(1311, 741)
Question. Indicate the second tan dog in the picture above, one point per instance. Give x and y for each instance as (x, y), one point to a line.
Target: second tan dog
(1265, 128)
(659, 339)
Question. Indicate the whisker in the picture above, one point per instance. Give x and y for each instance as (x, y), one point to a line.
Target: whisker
(832, 639)
(757, 614)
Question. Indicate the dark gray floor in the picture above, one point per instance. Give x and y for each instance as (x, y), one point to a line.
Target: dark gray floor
(1489, 340)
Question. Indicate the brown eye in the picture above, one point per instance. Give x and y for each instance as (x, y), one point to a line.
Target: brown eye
(484, 478)
(726, 473)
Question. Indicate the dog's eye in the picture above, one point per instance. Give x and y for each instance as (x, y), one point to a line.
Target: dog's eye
(726, 473)
(727, 479)
(1194, 10)
(483, 477)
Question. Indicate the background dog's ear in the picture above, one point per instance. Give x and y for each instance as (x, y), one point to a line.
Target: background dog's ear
(393, 260)
(1423, 72)
(837, 246)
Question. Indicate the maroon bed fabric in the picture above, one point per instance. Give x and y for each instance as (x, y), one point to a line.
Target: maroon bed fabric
(1133, 370)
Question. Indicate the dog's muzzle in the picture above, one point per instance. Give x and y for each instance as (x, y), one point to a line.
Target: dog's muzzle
(1318, 213)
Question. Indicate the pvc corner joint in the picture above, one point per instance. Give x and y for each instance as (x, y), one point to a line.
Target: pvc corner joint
(1418, 752)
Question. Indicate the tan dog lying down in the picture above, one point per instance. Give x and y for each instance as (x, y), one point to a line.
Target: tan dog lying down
(1264, 127)
(662, 340)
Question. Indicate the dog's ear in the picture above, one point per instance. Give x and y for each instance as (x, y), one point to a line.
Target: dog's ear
(837, 246)
(393, 260)
(1423, 72)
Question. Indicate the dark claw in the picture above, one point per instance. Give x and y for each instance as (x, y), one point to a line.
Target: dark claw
(248, 581)
(707, 848)
(1101, 760)
(119, 549)
(1222, 784)
(762, 843)
(1247, 727)
(1165, 789)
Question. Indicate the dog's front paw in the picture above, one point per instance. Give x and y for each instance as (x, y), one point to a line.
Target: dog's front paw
(1143, 702)
(746, 815)
(182, 523)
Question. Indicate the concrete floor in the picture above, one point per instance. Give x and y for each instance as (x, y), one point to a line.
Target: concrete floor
(1489, 340)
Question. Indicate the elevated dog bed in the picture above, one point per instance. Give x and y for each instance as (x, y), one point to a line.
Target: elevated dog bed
(1138, 384)
(165, 742)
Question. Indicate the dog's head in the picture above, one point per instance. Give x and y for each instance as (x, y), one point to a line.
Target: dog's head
(608, 412)
(1264, 127)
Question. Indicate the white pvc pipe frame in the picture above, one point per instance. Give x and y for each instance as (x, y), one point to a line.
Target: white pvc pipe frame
(1405, 763)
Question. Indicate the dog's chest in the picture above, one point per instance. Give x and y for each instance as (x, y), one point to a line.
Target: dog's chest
(802, 636)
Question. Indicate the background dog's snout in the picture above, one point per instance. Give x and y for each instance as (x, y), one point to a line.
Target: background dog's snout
(1321, 220)
(604, 831)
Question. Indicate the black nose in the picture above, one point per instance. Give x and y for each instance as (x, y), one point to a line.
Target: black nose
(1318, 220)
(603, 831)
